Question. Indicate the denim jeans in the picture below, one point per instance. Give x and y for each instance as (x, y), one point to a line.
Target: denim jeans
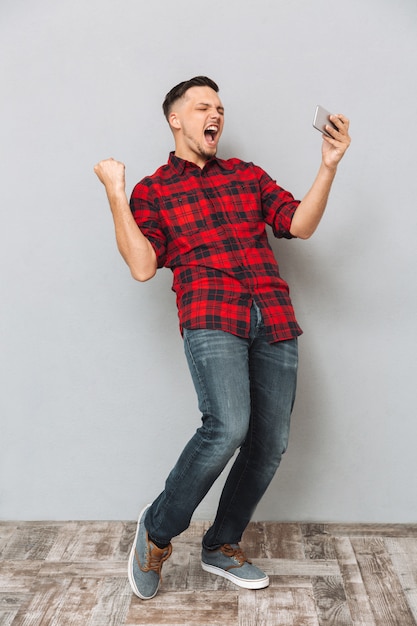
(246, 391)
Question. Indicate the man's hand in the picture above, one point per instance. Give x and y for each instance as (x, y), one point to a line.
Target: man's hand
(334, 147)
(112, 175)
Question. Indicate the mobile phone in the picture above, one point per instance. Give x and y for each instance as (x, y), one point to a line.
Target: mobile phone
(321, 118)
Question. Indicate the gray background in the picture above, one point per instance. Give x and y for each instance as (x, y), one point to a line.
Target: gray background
(96, 399)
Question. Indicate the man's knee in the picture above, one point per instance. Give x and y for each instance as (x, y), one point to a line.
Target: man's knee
(227, 434)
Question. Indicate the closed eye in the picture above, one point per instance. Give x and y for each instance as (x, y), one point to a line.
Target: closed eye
(205, 107)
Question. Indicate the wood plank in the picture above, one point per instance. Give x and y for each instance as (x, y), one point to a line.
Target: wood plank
(46, 599)
(73, 604)
(387, 599)
(10, 604)
(65, 535)
(127, 535)
(273, 541)
(293, 582)
(318, 541)
(7, 530)
(371, 530)
(356, 594)
(277, 607)
(30, 542)
(18, 576)
(183, 570)
(289, 567)
(113, 599)
(77, 602)
(185, 608)
(86, 541)
(403, 553)
(83, 569)
(332, 606)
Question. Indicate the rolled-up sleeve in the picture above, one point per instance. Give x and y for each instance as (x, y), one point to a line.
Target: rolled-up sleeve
(145, 210)
(278, 205)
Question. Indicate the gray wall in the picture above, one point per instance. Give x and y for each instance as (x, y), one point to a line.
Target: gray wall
(96, 400)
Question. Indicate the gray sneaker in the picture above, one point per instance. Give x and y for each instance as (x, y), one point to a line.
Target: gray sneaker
(230, 562)
(145, 562)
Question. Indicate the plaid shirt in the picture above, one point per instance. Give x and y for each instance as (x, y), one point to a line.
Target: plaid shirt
(208, 226)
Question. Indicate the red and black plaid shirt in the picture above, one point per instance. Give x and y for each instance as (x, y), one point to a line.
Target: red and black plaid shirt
(208, 226)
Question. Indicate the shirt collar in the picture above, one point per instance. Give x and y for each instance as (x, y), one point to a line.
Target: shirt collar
(179, 164)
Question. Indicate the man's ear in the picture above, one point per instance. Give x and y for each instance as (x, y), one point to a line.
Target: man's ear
(174, 121)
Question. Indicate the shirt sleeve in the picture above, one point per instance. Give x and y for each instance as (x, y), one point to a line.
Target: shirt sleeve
(145, 211)
(278, 205)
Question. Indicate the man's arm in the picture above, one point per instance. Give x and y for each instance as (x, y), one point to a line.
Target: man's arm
(310, 210)
(134, 247)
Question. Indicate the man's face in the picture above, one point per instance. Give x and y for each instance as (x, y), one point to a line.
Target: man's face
(197, 119)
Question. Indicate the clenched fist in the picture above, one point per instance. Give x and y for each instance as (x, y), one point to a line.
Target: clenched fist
(111, 173)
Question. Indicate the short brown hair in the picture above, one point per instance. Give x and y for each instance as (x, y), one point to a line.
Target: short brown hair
(179, 90)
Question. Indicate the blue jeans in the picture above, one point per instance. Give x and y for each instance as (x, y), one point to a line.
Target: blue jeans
(246, 391)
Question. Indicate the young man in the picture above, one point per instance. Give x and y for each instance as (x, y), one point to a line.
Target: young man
(204, 218)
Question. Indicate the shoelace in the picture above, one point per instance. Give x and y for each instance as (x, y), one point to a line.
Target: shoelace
(235, 553)
(155, 557)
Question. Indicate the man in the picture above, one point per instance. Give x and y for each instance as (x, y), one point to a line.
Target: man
(204, 218)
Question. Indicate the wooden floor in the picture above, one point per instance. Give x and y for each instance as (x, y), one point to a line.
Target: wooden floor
(74, 573)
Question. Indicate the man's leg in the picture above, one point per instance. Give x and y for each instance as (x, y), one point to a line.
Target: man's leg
(273, 372)
(219, 367)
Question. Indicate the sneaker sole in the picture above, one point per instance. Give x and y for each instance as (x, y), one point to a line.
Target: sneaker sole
(258, 583)
(131, 559)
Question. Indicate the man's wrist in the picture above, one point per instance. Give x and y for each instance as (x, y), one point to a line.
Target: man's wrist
(329, 170)
(116, 193)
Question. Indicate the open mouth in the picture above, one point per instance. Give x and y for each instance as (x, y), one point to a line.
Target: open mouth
(210, 134)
